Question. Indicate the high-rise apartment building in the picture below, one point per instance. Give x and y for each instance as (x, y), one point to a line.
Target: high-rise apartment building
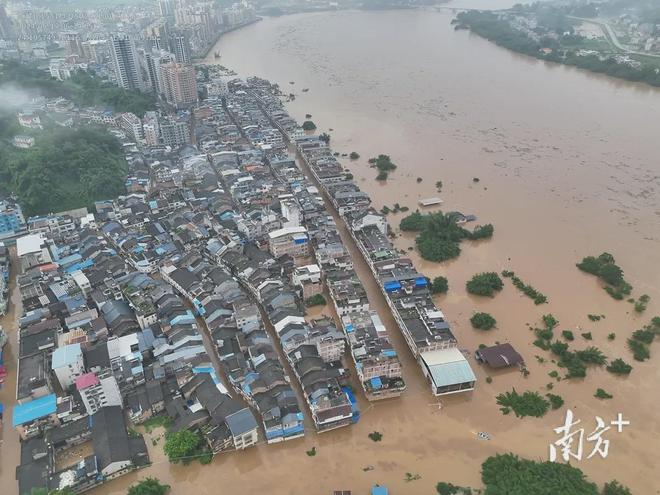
(73, 43)
(124, 57)
(180, 46)
(180, 84)
(154, 60)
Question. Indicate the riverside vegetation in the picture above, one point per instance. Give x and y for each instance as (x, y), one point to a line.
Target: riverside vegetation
(439, 235)
(558, 42)
(576, 362)
(526, 289)
(508, 474)
(606, 269)
(83, 89)
(67, 168)
(384, 165)
(484, 284)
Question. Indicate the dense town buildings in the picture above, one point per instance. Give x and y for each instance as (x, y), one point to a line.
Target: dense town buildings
(186, 296)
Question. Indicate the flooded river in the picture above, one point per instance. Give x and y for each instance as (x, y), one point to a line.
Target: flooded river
(568, 165)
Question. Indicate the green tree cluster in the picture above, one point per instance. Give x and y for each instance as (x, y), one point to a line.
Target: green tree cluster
(619, 367)
(308, 125)
(448, 489)
(183, 446)
(484, 284)
(82, 88)
(640, 341)
(440, 235)
(315, 300)
(148, 486)
(483, 321)
(602, 394)
(496, 28)
(556, 401)
(440, 285)
(508, 474)
(384, 164)
(605, 268)
(526, 404)
(526, 289)
(67, 168)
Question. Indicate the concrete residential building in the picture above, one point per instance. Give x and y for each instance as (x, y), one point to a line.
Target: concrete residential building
(180, 84)
(73, 43)
(68, 364)
(174, 133)
(12, 221)
(291, 240)
(98, 392)
(154, 61)
(124, 58)
(180, 47)
(132, 126)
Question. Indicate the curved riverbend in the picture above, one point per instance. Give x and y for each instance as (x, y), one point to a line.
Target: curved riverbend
(568, 166)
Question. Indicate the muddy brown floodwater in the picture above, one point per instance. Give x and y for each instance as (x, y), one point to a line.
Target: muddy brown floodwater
(569, 166)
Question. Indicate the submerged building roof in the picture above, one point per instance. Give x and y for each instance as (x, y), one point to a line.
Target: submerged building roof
(448, 367)
(500, 356)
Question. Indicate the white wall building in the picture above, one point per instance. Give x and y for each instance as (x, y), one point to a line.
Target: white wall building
(67, 364)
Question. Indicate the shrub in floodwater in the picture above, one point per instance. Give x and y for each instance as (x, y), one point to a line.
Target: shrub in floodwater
(376, 436)
(601, 394)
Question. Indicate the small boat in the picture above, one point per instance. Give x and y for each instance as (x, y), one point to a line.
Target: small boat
(305, 90)
(430, 201)
(217, 54)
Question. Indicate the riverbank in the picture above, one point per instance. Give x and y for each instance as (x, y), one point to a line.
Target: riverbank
(222, 33)
(505, 30)
(556, 186)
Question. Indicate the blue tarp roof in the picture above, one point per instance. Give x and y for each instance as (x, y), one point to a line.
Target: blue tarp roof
(35, 409)
(69, 260)
(379, 490)
(376, 383)
(390, 286)
(79, 266)
(420, 281)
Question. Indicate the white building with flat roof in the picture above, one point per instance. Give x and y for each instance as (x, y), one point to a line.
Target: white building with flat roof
(67, 364)
(293, 241)
(448, 371)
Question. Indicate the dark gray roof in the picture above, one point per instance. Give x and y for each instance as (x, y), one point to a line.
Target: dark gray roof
(97, 356)
(69, 430)
(114, 310)
(110, 437)
(183, 277)
(32, 473)
(241, 422)
(500, 356)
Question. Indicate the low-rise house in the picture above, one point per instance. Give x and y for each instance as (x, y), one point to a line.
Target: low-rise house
(116, 451)
(32, 418)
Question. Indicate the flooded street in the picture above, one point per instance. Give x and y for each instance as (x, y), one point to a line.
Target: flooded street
(9, 443)
(568, 166)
